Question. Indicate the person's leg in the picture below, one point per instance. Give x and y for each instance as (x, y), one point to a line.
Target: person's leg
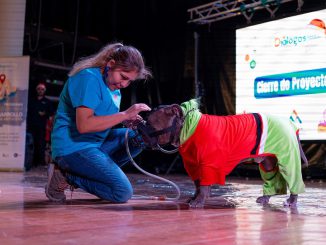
(37, 147)
(42, 146)
(95, 172)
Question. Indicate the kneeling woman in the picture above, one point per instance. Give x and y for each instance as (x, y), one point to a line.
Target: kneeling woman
(88, 153)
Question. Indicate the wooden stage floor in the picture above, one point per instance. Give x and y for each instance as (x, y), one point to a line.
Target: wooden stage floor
(231, 216)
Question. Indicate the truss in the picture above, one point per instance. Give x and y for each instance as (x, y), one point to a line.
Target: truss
(223, 9)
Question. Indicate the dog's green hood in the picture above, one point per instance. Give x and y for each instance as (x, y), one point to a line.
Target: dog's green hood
(192, 115)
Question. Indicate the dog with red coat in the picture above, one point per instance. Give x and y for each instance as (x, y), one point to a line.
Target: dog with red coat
(212, 146)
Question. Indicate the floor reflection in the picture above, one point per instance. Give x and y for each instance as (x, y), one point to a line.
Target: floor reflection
(237, 193)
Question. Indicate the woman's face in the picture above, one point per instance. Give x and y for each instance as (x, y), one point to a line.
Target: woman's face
(118, 79)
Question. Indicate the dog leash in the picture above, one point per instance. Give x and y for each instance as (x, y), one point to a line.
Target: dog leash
(161, 198)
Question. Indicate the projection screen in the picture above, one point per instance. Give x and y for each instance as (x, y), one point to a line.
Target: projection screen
(281, 70)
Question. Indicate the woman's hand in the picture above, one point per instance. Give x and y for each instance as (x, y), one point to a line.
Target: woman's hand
(132, 112)
(87, 122)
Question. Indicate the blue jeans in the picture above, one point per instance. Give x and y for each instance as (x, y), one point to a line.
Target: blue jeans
(97, 170)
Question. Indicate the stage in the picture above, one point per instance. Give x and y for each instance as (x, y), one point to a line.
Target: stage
(231, 215)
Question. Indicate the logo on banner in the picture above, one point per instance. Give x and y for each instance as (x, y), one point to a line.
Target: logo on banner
(315, 29)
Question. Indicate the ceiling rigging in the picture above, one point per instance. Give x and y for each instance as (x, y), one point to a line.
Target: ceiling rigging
(224, 9)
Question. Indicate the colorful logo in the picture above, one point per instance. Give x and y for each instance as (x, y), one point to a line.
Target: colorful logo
(294, 40)
(289, 41)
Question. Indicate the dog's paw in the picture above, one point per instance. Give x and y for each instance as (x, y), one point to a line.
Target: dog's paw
(291, 201)
(197, 203)
(190, 199)
(263, 199)
(200, 197)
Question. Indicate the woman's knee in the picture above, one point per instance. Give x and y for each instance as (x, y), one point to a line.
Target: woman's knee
(122, 194)
(118, 193)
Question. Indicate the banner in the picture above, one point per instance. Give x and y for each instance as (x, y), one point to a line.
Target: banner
(281, 70)
(14, 76)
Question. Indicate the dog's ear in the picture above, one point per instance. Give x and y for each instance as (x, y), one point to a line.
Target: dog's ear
(177, 110)
(172, 110)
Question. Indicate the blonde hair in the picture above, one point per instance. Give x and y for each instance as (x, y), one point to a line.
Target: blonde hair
(126, 58)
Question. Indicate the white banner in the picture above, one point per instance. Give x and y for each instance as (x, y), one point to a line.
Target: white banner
(281, 70)
(14, 76)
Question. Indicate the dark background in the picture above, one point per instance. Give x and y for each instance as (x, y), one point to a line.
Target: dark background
(59, 32)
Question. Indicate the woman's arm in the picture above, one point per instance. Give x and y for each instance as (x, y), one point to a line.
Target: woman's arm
(87, 122)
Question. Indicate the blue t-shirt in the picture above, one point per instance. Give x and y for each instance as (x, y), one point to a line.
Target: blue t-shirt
(86, 88)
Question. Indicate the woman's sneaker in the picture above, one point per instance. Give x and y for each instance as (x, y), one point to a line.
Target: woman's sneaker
(55, 188)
